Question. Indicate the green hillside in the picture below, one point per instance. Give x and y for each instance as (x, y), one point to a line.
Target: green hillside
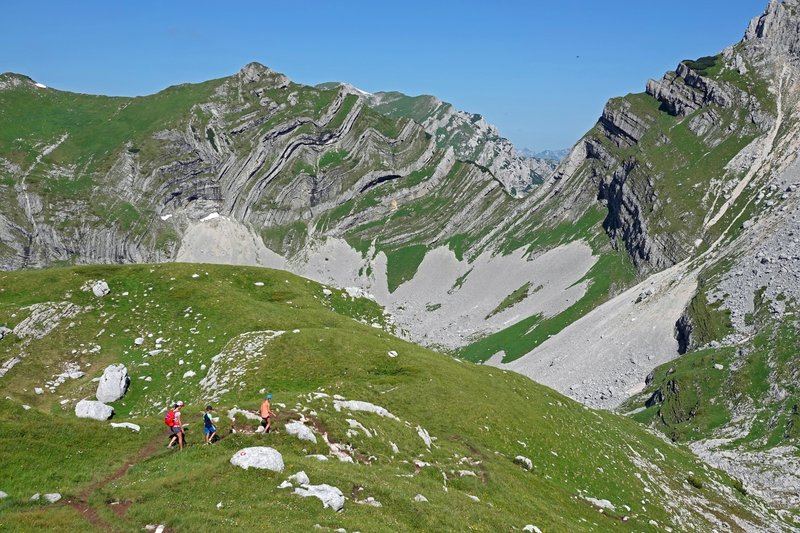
(480, 419)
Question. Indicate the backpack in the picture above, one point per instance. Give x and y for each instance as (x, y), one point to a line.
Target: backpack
(169, 418)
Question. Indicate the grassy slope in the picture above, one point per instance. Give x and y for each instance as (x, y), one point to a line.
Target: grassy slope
(700, 399)
(484, 414)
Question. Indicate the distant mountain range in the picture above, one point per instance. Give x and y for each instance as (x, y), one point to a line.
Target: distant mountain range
(550, 155)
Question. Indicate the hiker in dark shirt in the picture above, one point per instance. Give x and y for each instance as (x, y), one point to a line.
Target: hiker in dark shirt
(209, 429)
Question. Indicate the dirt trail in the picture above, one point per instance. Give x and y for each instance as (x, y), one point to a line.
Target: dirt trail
(81, 503)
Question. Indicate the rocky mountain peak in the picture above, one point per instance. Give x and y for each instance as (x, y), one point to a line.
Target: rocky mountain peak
(256, 72)
(778, 28)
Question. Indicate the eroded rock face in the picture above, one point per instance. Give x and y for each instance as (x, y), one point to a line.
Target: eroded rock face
(94, 410)
(44, 318)
(113, 384)
(261, 457)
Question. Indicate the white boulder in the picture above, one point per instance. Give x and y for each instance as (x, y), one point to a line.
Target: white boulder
(420, 498)
(301, 431)
(138, 341)
(3, 495)
(113, 384)
(4, 331)
(100, 288)
(524, 462)
(52, 497)
(329, 496)
(94, 410)
(531, 527)
(262, 457)
(38, 390)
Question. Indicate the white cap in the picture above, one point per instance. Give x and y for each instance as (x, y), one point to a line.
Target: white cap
(179, 403)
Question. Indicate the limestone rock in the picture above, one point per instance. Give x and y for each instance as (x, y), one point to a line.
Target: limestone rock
(420, 498)
(355, 405)
(113, 384)
(94, 410)
(4, 331)
(52, 497)
(524, 462)
(329, 496)
(300, 478)
(133, 427)
(301, 431)
(100, 288)
(261, 457)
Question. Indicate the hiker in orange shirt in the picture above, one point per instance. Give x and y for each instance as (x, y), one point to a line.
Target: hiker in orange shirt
(266, 413)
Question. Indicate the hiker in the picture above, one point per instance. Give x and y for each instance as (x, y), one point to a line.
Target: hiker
(209, 429)
(266, 413)
(173, 420)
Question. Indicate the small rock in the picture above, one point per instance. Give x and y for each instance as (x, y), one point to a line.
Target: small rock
(259, 283)
(300, 478)
(138, 341)
(372, 502)
(38, 390)
(420, 498)
(392, 353)
(133, 427)
(425, 436)
(719, 366)
(35, 497)
(52, 497)
(189, 374)
(318, 457)
(3, 495)
(524, 462)
(531, 527)
(100, 288)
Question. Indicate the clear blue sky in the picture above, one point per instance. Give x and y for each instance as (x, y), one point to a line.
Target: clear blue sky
(540, 70)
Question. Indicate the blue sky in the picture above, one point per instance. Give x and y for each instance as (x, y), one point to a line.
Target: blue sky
(540, 70)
